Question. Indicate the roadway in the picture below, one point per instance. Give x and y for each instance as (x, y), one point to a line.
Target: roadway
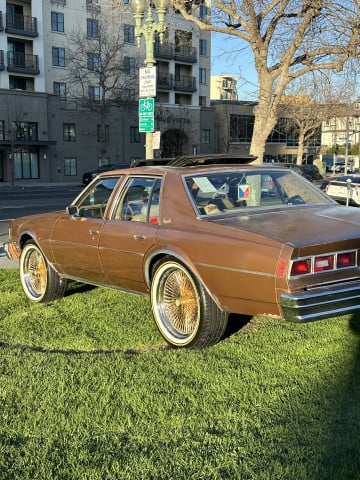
(27, 200)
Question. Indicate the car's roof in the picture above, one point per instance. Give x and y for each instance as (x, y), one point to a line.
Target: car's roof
(190, 170)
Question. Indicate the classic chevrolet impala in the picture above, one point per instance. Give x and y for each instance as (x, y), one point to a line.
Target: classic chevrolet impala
(203, 237)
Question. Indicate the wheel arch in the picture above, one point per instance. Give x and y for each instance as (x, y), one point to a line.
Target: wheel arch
(154, 257)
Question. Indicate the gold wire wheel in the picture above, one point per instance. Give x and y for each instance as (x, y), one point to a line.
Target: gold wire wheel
(34, 274)
(37, 272)
(180, 302)
(176, 303)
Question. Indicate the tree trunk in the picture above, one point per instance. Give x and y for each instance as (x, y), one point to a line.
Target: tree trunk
(265, 121)
(300, 150)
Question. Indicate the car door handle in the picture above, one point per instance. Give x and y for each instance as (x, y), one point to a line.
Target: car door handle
(139, 237)
(93, 231)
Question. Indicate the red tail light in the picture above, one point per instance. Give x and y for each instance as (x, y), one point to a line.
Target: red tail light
(346, 259)
(301, 267)
(324, 263)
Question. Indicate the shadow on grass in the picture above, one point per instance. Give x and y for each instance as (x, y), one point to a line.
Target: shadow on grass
(237, 324)
(74, 288)
(73, 352)
(341, 460)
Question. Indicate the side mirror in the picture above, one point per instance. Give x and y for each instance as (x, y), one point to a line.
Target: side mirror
(72, 210)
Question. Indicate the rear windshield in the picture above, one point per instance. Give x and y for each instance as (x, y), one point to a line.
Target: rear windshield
(217, 192)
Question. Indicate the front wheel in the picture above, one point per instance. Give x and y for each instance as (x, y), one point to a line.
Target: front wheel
(184, 312)
(39, 280)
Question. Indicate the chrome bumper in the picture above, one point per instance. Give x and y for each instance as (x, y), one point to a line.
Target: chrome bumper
(322, 302)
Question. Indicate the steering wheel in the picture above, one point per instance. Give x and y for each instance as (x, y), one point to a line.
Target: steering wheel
(128, 212)
(295, 200)
(222, 191)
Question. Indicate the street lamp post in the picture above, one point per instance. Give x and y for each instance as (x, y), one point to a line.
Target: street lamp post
(148, 29)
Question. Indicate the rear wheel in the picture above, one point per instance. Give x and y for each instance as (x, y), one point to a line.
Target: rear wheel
(39, 280)
(184, 312)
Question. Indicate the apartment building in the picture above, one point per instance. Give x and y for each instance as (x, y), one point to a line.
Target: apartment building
(63, 111)
(223, 87)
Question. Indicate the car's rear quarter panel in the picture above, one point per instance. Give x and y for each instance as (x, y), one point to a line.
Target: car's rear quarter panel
(237, 267)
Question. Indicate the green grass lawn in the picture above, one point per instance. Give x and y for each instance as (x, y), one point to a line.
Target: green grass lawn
(89, 390)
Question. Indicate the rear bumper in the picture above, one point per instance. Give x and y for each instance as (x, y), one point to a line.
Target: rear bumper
(11, 250)
(322, 302)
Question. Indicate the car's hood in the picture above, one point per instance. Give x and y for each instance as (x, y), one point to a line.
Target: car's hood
(299, 226)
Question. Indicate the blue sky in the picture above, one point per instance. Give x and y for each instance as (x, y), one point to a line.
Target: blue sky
(229, 57)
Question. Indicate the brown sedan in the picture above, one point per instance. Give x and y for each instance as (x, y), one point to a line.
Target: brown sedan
(203, 240)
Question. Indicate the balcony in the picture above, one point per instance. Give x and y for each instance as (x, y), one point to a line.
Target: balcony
(185, 83)
(2, 64)
(1, 22)
(164, 50)
(23, 63)
(185, 53)
(165, 81)
(21, 25)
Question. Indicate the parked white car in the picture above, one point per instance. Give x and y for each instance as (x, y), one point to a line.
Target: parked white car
(345, 190)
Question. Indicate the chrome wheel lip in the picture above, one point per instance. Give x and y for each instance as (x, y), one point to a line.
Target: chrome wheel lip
(174, 293)
(33, 273)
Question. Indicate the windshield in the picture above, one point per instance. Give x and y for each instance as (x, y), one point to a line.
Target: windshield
(216, 192)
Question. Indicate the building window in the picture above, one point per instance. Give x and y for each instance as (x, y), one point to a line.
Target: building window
(92, 27)
(70, 166)
(241, 128)
(17, 83)
(203, 12)
(134, 135)
(26, 164)
(57, 22)
(93, 62)
(129, 36)
(27, 131)
(94, 93)
(205, 135)
(60, 89)
(202, 101)
(103, 133)
(69, 132)
(203, 47)
(129, 65)
(2, 130)
(58, 57)
(202, 75)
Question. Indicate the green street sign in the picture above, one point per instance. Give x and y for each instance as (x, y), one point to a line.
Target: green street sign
(146, 107)
(146, 115)
(146, 124)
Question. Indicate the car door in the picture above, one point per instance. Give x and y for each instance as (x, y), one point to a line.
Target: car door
(75, 238)
(128, 235)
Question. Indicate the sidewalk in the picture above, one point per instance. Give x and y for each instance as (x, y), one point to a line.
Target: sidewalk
(22, 185)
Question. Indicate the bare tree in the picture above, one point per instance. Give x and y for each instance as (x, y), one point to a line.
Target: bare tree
(99, 74)
(288, 39)
(309, 103)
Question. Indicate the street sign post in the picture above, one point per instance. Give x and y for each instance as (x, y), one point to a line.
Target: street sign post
(146, 115)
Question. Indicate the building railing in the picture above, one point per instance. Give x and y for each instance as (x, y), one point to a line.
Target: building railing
(185, 83)
(164, 50)
(165, 81)
(23, 63)
(185, 53)
(22, 24)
